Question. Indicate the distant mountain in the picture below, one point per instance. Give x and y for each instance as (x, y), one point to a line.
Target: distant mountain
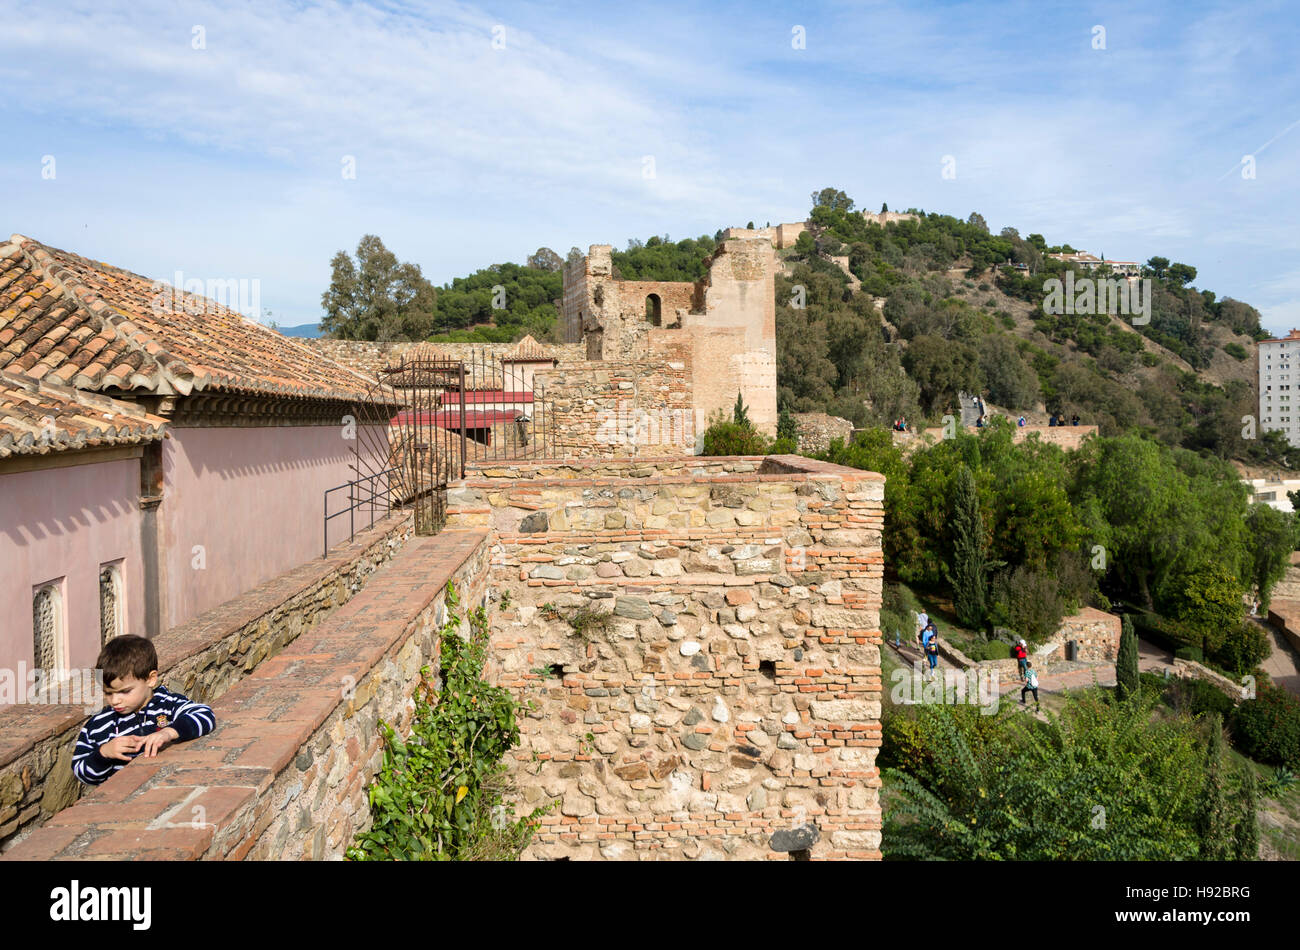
(310, 330)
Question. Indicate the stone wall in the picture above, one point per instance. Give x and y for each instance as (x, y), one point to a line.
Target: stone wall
(369, 357)
(887, 217)
(285, 773)
(735, 691)
(622, 408)
(202, 658)
(817, 430)
(1067, 437)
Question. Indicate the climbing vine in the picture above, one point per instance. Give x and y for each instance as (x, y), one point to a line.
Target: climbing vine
(441, 794)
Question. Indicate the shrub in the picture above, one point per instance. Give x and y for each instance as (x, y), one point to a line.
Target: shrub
(1189, 653)
(903, 744)
(1029, 602)
(995, 650)
(1245, 647)
(1267, 728)
(440, 795)
(1235, 350)
(730, 438)
(1197, 697)
(782, 447)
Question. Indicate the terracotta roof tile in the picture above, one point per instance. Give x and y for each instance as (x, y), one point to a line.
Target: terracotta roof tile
(37, 418)
(100, 327)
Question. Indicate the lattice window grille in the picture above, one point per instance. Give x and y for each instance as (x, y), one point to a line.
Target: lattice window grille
(110, 602)
(47, 626)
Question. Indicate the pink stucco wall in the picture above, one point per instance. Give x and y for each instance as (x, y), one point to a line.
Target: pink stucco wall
(252, 499)
(66, 522)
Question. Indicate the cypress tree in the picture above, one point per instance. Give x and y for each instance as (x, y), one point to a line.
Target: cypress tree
(1214, 823)
(1126, 662)
(1245, 838)
(968, 575)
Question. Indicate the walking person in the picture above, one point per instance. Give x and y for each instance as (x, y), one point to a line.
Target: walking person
(1031, 685)
(1022, 658)
(930, 644)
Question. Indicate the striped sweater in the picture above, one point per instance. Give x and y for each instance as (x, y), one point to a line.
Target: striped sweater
(164, 708)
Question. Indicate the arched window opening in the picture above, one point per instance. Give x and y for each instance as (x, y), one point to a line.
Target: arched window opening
(654, 310)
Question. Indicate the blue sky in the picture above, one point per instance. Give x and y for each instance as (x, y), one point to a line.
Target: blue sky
(226, 160)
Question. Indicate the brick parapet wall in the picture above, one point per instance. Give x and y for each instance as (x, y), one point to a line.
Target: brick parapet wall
(737, 691)
(202, 658)
(284, 775)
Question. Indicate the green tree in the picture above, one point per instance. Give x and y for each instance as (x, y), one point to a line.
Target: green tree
(1214, 821)
(942, 369)
(1182, 274)
(1126, 662)
(1210, 605)
(983, 787)
(832, 198)
(546, 259)
(968, 570)
(376, 297)
(1245, 839)
(1158, 266)
(1270, 537)
(1008, 379)
(976, 220)
(739, 413)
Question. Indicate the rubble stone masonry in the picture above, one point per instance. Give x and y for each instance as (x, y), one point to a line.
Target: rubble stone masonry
(732, 690)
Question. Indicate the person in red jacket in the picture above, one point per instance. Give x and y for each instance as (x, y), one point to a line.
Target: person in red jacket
(1022, 657)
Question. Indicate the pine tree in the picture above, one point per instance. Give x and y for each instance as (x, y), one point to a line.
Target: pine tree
(1214, 824)
(1126, 663)
(968, 575)
(740, 414)
(1245, 838)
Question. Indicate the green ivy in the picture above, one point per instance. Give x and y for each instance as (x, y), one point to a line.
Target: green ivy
(441, 794)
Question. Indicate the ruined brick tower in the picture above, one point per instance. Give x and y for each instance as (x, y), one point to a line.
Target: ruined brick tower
(728, 317)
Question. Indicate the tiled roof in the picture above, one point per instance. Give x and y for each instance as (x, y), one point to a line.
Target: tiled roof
(527, 350)
(37, 418)
(71, 321)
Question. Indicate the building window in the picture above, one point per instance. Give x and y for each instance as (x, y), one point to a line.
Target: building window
(654, 310)
(112, 604)
(48, 634)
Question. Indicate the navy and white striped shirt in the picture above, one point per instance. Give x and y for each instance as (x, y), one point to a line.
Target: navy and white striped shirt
(164, 709)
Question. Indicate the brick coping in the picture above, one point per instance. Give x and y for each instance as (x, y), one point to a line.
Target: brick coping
(262, 723)
(23, 726)
(796, 467)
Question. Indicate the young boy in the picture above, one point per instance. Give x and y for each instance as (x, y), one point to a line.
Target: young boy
(141, 717)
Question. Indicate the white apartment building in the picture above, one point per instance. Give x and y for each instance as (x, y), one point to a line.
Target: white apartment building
(1279, 386)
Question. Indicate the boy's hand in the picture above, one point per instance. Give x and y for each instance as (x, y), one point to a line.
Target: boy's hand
(152, 743)
(121, 748)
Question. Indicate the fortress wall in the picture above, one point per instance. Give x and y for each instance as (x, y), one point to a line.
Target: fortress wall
(735, 696)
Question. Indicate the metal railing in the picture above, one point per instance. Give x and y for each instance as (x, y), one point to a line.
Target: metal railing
(356, 501)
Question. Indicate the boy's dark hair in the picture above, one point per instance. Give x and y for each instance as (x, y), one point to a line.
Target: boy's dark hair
(128, 656)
